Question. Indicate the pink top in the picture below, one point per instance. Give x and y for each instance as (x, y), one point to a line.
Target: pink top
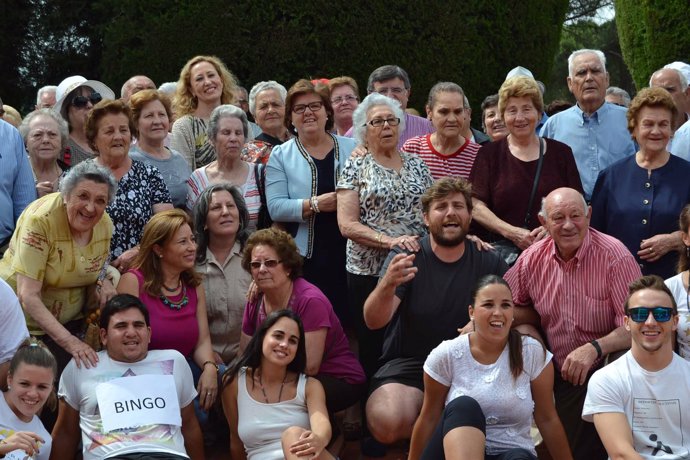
(458, 163)
(316, 312)
(171, 329)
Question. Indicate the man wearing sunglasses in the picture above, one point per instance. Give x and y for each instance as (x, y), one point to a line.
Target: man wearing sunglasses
(639, 404)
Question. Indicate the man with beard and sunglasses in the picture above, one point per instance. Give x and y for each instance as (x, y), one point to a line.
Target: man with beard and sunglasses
(639, 403)
(422, 298)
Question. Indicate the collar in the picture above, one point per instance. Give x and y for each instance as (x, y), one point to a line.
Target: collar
(210, 258)
(595, 117)
(579, 254)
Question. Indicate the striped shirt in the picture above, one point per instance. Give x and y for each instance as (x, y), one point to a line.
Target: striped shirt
(579, 300)
(458, 163)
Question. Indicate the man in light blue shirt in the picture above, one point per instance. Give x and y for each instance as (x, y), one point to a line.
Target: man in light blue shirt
(596, 130)
(17, 186)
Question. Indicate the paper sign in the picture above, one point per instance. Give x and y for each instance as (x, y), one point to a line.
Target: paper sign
(137, 401)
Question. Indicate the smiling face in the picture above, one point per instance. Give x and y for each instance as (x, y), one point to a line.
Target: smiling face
(588, 82)
(127, 337)
(385, 137)
(30, 387)
(281, 342)
(492, 312)
(267, 278)
(113, 136)
(448, 114)
(43, 141)
(270, 111)
(230, 138)
(153, 121)
(653, 129)
(651, 335)
(448, 220)
(205, 82)
(493, 124)
(567, 220)
(344, 101)
(223, 218)
(310, 121)
(85, 205)
(521, 117)
(179, 252)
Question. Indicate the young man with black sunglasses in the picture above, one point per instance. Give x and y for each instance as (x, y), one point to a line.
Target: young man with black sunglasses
(640, 403)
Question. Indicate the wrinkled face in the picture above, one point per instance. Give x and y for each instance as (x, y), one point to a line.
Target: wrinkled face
(85, 205)
(43, 141)
(230, 138)
(669, 80)
(267, 269)
(153, 121)
(448, 220)
(127, 337)
(589, 81)
(30, 387)
(521, 117)
(492, 312)
(493, 124)
(393, 88)
(223, 218)
(448, 114)
(344, 101)
(270, 110)
(567, 221)
(206, 83)
(241, 99)
(113, 136)
(653, 129)
(47, 100)
(139, 83)
(179, 252)
(281, 342)
(313, 119)
(651, 335)
(384, 137)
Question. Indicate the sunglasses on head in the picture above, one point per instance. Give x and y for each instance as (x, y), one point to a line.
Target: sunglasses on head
(640, 314)
(81, 101)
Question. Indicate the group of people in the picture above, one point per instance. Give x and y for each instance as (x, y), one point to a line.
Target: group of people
(310, 252)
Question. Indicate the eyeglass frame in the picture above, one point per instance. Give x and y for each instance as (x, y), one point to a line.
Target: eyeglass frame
(299, 109)
(268, 263)
(343, 99)
(383, 122)
(634, 316)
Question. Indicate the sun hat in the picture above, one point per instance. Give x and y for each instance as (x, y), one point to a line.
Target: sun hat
(69, 84)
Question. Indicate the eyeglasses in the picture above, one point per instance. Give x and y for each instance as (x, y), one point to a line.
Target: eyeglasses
(268, 263)
(378, 122)
(640, 314)
(313, 106)
(341, 100)
(81, 101)
(394, 90)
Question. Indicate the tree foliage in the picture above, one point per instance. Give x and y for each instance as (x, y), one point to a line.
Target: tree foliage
(652, 34)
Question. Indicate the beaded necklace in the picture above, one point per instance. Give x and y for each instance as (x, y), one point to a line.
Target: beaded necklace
(175, 305)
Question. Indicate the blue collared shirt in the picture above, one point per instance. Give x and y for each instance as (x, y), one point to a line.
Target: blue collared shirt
(17, 186)
(598, 140)
(680, 143)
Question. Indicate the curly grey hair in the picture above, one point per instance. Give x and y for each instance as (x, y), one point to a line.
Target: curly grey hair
(263, 86)
(88, 170)
(63, 129)
(227, 111)
(359, 117)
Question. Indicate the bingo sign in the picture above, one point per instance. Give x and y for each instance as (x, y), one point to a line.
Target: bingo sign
(137, 401)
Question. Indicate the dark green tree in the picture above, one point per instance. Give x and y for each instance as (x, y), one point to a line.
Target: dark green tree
(15, 17)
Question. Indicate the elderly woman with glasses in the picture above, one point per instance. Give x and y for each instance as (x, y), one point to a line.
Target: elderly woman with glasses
(378, 207)
(267, 104)
(301, 176)
(76, 96)
(345, 99)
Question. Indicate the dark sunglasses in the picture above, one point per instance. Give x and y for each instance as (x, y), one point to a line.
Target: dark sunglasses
(640, 314)
(81, 101)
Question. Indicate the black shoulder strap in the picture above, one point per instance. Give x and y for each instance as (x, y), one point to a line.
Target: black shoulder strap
(536, 183)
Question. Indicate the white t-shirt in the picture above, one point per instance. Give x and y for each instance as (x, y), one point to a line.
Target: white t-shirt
(78, 387)
(13, 329)
(10, 424)
(675, 284)
(656, 404)
(507, 403)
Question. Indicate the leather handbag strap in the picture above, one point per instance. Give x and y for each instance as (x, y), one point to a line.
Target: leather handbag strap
(535, 184)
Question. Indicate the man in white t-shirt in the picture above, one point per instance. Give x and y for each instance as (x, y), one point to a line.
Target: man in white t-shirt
(640, 404)
(135, 403)
(13, 329)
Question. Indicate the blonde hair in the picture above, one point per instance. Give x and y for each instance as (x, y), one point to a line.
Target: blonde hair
(184, 102)
(520, 86)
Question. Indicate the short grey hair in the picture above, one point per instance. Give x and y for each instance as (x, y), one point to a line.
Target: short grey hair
(444, 87)
(574, 54)
(620, 92)
(359, 117)
(63, 129)
(88, 170)
(681, 77)
(263, 86)
(227, 111)
(466, 101)
(43, 90)
(544, 214)
(387, 72)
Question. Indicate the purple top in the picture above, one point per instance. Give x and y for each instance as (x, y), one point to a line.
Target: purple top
(414, 126)
(171, 329)
(316, 312)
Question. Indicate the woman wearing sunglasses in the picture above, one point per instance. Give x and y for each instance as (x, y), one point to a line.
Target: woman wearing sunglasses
(275, 264)
(300, 188)
(76, 96)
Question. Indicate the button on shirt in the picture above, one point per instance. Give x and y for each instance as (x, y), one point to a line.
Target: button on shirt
(598, 140)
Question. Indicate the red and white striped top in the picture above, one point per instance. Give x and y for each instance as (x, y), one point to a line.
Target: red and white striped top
(579, 300)
(458, 163)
